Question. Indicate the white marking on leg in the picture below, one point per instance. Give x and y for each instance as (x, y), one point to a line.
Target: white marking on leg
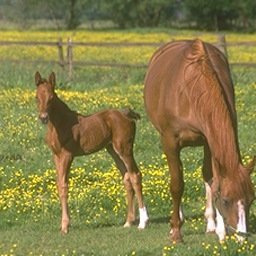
(209, 210)
(220, 226)
(241, 225)
(143, 217)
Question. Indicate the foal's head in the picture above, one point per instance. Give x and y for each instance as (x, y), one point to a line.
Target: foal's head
(44, 95)
(233, 199)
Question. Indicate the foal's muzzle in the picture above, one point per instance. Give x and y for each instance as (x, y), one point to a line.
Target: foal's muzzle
(44, 118)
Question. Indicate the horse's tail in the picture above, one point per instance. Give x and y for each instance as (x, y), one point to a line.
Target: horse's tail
(131, 114)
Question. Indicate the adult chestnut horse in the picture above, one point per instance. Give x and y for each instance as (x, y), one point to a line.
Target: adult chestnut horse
(189, 98)
(70, 134)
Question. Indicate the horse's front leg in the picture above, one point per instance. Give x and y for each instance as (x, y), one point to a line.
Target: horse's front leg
(63, 163)
(172, 153)
(208, 175)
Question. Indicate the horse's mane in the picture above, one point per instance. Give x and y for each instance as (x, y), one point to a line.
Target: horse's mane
(212, 102)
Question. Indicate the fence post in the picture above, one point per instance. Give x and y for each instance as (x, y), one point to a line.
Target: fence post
(70, 58)
(221, 44)
(60, 52)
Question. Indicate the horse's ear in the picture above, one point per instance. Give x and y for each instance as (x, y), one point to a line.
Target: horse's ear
(251, 164)
(52, 79)
(38, 78)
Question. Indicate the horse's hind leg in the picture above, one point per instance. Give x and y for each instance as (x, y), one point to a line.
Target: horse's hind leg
(172, 152)
(130, 218)
(132, 177)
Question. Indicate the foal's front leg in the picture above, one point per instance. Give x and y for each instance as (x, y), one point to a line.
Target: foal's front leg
(63, 163)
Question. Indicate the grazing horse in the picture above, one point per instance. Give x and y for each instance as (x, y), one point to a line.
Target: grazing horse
(189, 98)
(70, 134)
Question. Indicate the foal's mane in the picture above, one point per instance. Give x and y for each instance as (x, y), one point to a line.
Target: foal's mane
(212, 100)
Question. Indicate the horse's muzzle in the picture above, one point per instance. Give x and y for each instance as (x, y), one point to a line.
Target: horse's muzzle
(241, 236)
(44, 118)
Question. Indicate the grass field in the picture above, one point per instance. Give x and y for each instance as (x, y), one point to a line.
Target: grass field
(29, 206)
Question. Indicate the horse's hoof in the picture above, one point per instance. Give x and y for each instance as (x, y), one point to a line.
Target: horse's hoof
(210, 232)
(177, 240)
(176, 237)
(142, 226)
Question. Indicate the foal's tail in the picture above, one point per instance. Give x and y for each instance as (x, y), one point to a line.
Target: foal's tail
(131, 114)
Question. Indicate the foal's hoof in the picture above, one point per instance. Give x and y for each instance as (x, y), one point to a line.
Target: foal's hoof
(143, 224)
(127, 224)
(143, 218)
(64, 226)
(64, 231)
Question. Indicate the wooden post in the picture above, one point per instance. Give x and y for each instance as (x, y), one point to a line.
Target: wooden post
(60, 52)
(222, 45)
(70, 59)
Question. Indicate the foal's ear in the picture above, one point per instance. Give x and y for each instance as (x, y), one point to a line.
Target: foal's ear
(52, 79)
(38, 78)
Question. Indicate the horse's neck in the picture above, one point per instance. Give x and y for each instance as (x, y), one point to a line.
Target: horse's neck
(217, 118)
(224, 147)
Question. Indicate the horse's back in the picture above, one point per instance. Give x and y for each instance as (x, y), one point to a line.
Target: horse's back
(178, 75)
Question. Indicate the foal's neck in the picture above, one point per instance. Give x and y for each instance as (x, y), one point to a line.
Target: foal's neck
(59, 111)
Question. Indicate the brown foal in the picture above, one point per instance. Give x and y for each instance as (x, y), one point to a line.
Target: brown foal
(70, 134)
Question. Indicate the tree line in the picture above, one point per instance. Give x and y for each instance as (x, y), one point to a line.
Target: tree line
(70, 14)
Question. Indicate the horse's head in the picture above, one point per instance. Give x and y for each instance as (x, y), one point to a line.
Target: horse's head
(44, 95)
(233, 198)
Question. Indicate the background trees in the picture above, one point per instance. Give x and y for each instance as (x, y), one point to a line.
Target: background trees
(70, 14)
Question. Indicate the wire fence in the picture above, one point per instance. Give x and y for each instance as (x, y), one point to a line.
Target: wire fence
(70, 54)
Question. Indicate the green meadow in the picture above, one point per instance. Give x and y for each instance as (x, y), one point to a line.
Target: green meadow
(29, 205)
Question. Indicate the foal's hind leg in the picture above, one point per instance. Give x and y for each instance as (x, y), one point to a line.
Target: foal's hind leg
(132, 177)
(127, 185)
